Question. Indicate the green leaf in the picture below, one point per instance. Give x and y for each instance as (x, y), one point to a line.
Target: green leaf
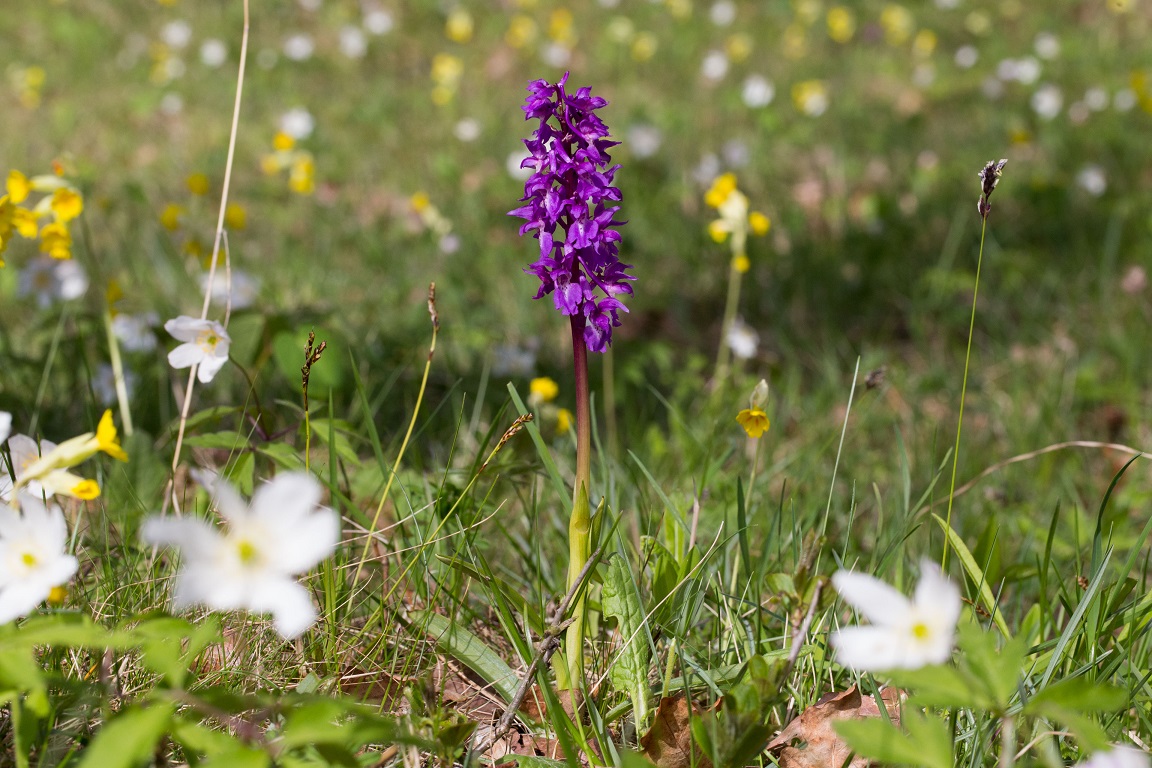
(284, 456)
(224, 441)
(129, 739)
(465, 647)
(336, 431)
(998, 670)
(927, 743)
(60, 629)
(171, 646)
(239, 757)
(20, 671)
(629, 670)
(240, 471)
(941, 686)
(975, 574)
(199, 739)
(1078, 694)
(532, 761)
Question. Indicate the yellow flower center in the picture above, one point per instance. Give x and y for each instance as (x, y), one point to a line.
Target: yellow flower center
(246, 551)
(920, 631)
(28, 559)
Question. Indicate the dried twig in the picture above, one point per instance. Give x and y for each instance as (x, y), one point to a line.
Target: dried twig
(548, 645)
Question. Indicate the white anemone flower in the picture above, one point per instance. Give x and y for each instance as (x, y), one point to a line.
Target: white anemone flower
(1118, 757)
(5, 425)
(25, 452)
(905, 634)
(252, 564)
(32, 557)
(205, 344)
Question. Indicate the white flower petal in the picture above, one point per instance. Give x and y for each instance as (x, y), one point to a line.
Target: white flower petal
(880, 603)
(869, 649)
(184, 328)
(5, 425)
(20, 598)
(209, 367)
(229, 503)
(203, 583)
(286, 498)
(185, 356)
(197, 539)
(312, 539)
(937, 595)
(289, 603)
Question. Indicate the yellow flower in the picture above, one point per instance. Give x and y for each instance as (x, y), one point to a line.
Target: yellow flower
(18, 187)
(643, 46)
(897, 23)
(282, 142)
(924, 43)
(56, 241)
(77, 449)
(67, 204)
(543, 390)
(57, 595)
(112, 294)
(754, 421)
(723, 186)
(198, 184)
(718, 230)
(170, 217)
(841, 24)
(738, 46)
(107, 439)
(458, 28)
(302, 176)
(759, 223)
(741, 263)
(560, 27)
(521, 31)
(26, 223)
(235, 216)
(564, 421)
(419, 201)
(64, 483)
(810, 97)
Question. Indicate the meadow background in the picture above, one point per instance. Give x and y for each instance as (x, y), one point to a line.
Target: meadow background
(857, 128)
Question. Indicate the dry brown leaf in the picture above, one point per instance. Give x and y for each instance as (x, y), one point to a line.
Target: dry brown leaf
(810, 741)
(668, 742)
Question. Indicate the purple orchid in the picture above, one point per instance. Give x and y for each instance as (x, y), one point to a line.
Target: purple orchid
(570, 209)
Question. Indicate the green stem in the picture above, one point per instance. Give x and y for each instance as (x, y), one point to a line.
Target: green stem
(730, 306)
(580, 523)
(963, 392)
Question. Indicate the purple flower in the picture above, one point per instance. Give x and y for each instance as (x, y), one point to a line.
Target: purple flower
(569, 208)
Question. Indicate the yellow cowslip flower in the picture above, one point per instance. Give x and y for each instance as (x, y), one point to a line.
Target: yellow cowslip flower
(419, 201)
(235, 216)
(302, 175)
(57, 596)
(643, 46)
(564, 421)
(543, 390)
(282, 142)
(759, 223)
(680, 9)
(458, 27)
(56, 241)
(446, 69)
(718, 230)
(77, 449)
(18, 187)
(754, 421)
(924, 43)
(194, 247)
(66, 204)
(897, 23)
(113, 294)
(810, 97)
(722, 186)
(64, 483)
(271, 164)
(521, 31)
(841, 24)
(170, 217)
(27, 223)
(738, 46)
(741, 263)
(198, 183)
(560, 27)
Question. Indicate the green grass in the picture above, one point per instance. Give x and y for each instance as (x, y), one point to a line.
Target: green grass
(869, 265)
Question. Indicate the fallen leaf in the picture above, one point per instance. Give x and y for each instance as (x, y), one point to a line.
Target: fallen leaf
(668, 742)
(810, 741)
